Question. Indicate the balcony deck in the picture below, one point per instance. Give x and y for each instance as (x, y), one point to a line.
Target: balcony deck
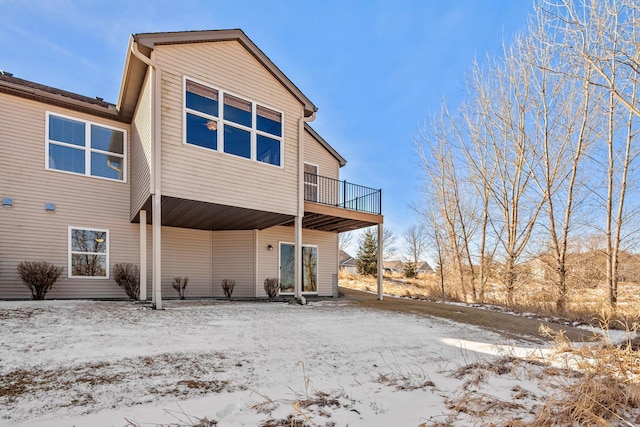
(339, 206)
(330, 205)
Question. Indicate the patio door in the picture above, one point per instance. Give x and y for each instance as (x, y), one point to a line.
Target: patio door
(310, 182)
(309, 268)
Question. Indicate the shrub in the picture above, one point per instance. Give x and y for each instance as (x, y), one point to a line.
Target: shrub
(227, 287)
(127, 276)
(271, 287)
(180, 285)
(39, 276)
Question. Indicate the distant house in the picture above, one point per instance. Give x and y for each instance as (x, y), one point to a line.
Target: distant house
(395, 266)
(424, 268)
(347, 263)
(398, 267)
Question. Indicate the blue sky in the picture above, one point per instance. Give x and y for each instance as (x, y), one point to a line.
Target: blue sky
(376, 70)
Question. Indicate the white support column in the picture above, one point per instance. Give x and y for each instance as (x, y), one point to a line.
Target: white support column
(297, 258)
(157, 192)
(155, 178)
(143, 255)
(256, 260)
(157, 254)
(380, 260)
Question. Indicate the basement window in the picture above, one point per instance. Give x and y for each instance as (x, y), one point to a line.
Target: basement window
(88, 252)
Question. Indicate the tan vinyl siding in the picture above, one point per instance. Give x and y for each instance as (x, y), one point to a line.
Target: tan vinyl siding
(186, 253)
(233, 258)
(327, 255)
(316, 154)
(200, 174)
(141, 149)
(268, 260)
(27, 232)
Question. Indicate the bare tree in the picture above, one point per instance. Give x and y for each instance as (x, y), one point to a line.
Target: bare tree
(433, 232)
(445, 185)
(505, 90)
(604, 36)
(389, 239)
(415, 242)
(562, 135)
(344, 240)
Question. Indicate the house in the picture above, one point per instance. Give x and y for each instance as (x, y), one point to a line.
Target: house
(399, 267)
(347, 263)
(394, 266)
(205, 167)
(424, 268)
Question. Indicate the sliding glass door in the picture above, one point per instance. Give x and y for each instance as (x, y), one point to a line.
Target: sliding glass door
(309, 268)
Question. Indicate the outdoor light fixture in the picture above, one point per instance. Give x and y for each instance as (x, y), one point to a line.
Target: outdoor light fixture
(270, 247)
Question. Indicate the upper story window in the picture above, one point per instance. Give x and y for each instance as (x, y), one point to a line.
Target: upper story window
(85, 148)
(239, 126)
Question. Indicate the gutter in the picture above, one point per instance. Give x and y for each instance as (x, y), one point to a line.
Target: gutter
(41, 95)
(300, 214)
(155, 184)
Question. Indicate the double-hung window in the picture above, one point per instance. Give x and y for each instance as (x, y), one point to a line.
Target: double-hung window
(235, 126)
(85, 148)
(88, 252)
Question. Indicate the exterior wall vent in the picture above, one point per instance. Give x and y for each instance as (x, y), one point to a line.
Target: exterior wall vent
(50, 207)
(7, 202)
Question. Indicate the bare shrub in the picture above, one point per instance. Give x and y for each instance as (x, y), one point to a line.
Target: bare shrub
(127, 276)
(39, 276)
(227, 287)
(271, 287)
(180, 285)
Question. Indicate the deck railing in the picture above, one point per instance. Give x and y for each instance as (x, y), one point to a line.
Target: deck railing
(342, 194)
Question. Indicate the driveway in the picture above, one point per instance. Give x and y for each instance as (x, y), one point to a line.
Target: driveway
(510, 326)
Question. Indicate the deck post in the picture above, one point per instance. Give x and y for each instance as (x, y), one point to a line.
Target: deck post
(156, 197)
(380, 260)
(297, 258)
(143, 255)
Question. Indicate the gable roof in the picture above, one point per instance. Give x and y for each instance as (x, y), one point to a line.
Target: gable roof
(424, 266)
(341, 160)
(50, 95)
(393, 265)
(345, 259)
(135, 69)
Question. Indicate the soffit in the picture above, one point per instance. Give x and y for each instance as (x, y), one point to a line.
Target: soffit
(194, 214)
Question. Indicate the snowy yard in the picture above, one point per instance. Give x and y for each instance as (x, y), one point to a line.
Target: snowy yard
(83, 363)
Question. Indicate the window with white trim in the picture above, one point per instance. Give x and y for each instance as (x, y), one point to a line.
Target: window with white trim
(88, 252)
(85, 148)
(239, 127)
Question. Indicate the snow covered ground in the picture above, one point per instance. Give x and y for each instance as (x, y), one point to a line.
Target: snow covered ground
(87, 363)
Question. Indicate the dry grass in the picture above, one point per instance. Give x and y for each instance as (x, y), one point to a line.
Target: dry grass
(599, 386)
(584, 306)
(309, 408)
(607, 391)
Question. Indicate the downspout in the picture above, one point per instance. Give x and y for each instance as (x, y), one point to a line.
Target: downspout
(298, 220)
(156, 194)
